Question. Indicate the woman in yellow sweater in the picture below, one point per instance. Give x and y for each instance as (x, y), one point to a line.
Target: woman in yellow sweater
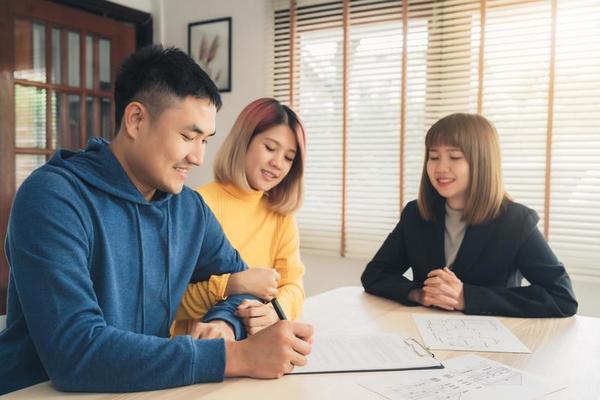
(258, 186)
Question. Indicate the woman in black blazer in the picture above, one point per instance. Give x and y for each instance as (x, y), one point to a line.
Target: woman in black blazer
(467, 243)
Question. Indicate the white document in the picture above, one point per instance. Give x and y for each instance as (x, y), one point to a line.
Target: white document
(470, 333)
(467, 377)
(366, 352)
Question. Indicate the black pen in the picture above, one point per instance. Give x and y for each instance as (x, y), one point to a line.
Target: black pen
(278, 309)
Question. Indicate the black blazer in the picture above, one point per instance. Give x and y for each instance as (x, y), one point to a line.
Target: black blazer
(491, 262)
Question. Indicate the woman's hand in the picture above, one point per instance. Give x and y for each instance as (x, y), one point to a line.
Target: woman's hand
(443, 289)
(256, 316)
(260, 282)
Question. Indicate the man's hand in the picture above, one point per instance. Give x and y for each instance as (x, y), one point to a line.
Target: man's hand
(270, 353)
(256, 316)
(260, 282)
(212, 330)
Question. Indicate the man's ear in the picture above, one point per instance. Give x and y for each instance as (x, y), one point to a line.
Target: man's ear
(135, 113)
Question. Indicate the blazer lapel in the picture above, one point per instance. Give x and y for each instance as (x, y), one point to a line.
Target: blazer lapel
(474, 242)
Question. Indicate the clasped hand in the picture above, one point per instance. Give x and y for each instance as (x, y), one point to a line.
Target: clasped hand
(442, 289)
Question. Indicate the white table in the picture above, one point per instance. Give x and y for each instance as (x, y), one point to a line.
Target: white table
(565, 349)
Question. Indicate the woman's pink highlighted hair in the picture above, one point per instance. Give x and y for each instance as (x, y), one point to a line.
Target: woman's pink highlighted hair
(257, 117)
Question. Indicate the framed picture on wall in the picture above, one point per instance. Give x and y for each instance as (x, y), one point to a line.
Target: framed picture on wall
(209, 43)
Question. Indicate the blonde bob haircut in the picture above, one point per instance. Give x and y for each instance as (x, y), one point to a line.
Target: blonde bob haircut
(478, 140)
(230, 160)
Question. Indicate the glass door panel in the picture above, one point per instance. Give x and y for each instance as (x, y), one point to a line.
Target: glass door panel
(104, 63)
(56, 76)
(30, 51)
(89, 62)
(74, 59)
(25, 164)
(106, 118)
(66, 121)
(91, 127)
(30, 117)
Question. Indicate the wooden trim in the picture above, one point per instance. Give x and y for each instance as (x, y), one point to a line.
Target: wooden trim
(119, 49)
(96, 127)
(550, 123)
(403, 98)
(24, 53)
(141, 20)
(33, 151)
(292, 49)
(63, 120)
(108, 9)
(96, 68)
(64, 55)
(7, 142)
(56, 14)
(82, 85)
(49, 69)
(345, 66)
(482, 15)
(63, 88)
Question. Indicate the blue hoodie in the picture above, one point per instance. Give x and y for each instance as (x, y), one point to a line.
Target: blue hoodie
(96, 276)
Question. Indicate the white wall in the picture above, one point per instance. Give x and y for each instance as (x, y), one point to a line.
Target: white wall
(154, 7)
(249, 58)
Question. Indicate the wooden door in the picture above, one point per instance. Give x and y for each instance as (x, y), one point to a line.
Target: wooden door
(57, 67)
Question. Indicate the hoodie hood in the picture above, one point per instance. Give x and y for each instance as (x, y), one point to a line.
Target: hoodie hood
(98, 166)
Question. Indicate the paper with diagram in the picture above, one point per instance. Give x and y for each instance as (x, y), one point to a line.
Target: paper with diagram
(366, 352)
(467, 377)
(470, 333)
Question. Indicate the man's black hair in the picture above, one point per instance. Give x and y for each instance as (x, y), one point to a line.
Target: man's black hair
(155, 75)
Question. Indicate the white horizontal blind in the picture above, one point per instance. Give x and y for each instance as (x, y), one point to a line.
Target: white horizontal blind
(419, 13)
(575, 185)
(447, 84)
(515, 92)
(318, 100)
(451, 85)
(373, 132)
(279, 67)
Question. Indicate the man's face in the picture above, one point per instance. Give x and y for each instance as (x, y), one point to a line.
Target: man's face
(167, 148)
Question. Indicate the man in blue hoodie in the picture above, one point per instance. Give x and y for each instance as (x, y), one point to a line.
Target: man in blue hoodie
(102, 244)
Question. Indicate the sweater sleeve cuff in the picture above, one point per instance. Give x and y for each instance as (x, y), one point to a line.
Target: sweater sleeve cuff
(225, 311)
(208, 360)
(238, 328)
(222, 286)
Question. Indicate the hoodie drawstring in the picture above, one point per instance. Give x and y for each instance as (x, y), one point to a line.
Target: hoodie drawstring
(169, 266)
(143, 282)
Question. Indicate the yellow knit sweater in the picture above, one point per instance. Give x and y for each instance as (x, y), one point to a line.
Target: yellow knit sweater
(263, 238)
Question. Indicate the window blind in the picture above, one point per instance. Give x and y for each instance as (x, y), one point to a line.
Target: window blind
(373, 128)
(574, 209)
(316, 92)
(515, 93)
(369, 77)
